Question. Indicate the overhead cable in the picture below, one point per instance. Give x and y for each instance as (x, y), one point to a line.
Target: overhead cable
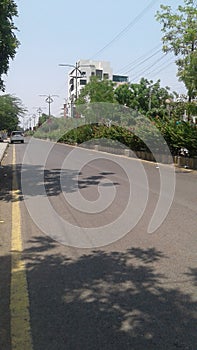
(148, 67)
(123, 31)
(138, 59)
(145, 60)
(164, 67)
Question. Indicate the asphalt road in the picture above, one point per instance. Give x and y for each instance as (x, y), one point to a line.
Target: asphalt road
(137, 292)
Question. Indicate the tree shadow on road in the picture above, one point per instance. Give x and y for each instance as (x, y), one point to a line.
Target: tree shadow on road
(193, 274)
(48, 182)
(103, 300)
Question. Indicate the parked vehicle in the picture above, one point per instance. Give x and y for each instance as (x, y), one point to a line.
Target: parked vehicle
(17, 136)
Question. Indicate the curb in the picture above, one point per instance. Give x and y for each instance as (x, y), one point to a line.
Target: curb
(178, 168)
(3, 147)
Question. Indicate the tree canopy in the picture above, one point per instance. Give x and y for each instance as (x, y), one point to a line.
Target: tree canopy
(8, 39)
(10, 110)
(97, 91)
(146, 96)
(180, 37)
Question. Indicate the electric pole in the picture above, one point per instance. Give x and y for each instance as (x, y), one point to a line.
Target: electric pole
(49, 100)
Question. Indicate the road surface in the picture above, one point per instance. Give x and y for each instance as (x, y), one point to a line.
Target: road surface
(136, 292)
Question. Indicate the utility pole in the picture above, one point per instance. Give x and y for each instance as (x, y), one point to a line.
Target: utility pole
(49, 100)
(76, 76)
(34, 118)
(29, 123)
(76, 67)
(39, 110)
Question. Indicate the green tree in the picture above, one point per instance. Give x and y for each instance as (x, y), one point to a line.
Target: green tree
(8, 40)
(10, 110)
(97, 91)
(189, 74)
(124, 95)
(178, 134)
(180, 37)
(42, 119)
(146, 97)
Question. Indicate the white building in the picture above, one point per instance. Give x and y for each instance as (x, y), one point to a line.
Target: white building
(81, 74)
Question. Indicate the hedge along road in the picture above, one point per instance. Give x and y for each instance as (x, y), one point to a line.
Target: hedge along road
(136, 293)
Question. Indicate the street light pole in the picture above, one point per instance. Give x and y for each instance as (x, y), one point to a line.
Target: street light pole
(30, 123)
(39, 110)
(49, 100)
(76, 68)
(34, 118)
(75, 76)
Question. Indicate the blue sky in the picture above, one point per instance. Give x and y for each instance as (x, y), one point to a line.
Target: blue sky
(53, 32)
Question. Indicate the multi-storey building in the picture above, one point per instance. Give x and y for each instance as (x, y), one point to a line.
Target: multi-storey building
(81, 74)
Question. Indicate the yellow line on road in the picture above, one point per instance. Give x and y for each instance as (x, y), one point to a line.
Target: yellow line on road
(19, 299)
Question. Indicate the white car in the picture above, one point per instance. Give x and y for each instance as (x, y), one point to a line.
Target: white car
(16, 136)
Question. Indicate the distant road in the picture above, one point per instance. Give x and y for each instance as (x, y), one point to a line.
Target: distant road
(138, 292)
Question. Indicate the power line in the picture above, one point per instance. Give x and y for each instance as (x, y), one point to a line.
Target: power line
(160, 70)
(127, 66)
(145, 60)
(162, 66)
(148, 67)
(123, 31)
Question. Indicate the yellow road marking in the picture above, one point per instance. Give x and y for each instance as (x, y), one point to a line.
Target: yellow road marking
(19, 300)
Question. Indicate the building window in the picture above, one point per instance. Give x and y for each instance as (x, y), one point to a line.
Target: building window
(99, 73)
(92, 73)
(83, 81)
(105, 76)
(120, 78)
